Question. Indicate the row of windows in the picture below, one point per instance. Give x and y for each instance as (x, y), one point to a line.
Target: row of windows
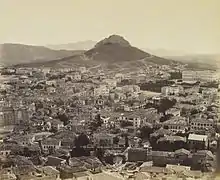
(49, 147)
(200, 124)
(175, 127)
(199, 128)
(4, 152)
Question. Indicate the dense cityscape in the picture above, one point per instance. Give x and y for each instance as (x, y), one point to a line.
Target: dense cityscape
(159, 122)
(110, 90)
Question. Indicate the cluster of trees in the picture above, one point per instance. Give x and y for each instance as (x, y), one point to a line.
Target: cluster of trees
(163, 105)
(145, 131)
(166, 104)
(96, 123)
(175, 75)
(155, 86)
(125, 123)
(79, 150)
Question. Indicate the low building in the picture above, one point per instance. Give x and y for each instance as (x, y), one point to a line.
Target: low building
(196, 141)
(173, 112)
(5, 150)
(50, 144)
(138, 154)
(103, 139)
(183, 155)
(176, 124)
(161, 158)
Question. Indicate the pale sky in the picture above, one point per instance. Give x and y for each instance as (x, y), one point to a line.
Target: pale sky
(188, 25)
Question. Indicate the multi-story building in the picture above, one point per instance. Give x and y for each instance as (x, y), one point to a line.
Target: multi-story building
(203, 76)
(10, 115)
(201, 124)
(176, 124)
(171, 90)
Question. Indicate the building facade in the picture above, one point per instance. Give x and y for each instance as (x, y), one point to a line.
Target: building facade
(171, 90)
(203, 76)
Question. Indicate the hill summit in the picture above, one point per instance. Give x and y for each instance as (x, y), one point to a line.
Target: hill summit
(115, 49)
(111, 51)
(113, 39)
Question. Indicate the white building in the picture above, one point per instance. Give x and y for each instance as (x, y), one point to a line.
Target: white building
(173, 111)
(203, 76)
(171, 90)
(101, 90)
(50, 144)
(196, 139)
(110, 82)
(82, 69)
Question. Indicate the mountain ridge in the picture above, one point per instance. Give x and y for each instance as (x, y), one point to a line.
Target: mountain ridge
(80, 45)
(111, 50)
(14, 53)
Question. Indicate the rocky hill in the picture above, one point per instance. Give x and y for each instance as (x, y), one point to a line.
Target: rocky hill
(113, 51)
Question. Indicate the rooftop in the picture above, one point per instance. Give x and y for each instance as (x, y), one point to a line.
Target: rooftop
(197, 137)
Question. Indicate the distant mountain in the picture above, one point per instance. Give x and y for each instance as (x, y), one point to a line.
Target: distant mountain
(165, 53)
(11, 54)
(113, 51)
(82, 45)
(207, 61)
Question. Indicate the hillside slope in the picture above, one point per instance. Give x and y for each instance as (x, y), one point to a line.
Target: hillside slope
(82, 45)
(11, 54)
(114, 51)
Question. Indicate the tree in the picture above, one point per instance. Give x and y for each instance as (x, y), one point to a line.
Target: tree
(125, 123)
(166, 104)
(166, 117)
(145, 131)
(63, 117)
(97, 122)
(126, 141)
(99, 153)
(115, 140)
(26, 152)
(81, 140)
(194, 111)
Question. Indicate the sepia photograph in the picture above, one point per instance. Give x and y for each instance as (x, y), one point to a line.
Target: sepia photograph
(110, 90)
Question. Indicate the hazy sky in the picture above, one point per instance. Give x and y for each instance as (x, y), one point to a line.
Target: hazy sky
(188, 25)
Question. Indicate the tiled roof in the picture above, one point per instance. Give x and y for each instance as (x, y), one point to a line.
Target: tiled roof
(172, 138)
(182, 150)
